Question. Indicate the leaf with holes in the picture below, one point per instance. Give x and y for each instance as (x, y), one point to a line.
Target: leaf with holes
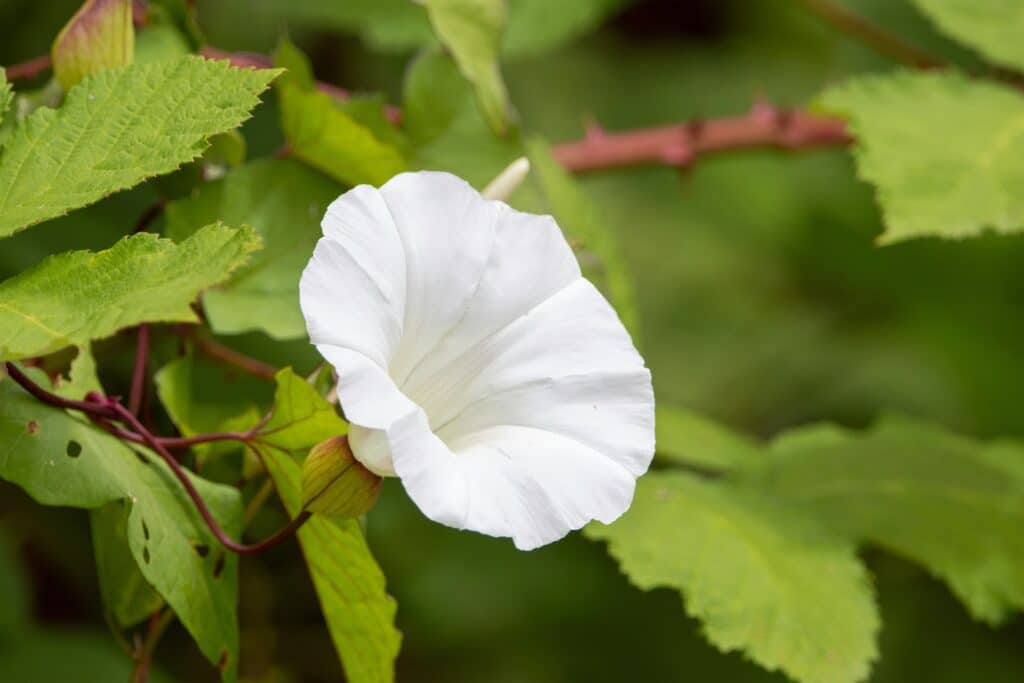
(283, 201)
(763, 579)
(77, 296)
(62, 460)
(115, 129)
(954, 189)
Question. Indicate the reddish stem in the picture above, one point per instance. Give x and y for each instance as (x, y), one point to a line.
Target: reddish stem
(242, 549)
(226, 354)
(139, 374)
(49, 398)
(681, 144)
(28, 69)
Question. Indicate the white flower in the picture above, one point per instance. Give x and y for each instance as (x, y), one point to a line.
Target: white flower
(475, 362)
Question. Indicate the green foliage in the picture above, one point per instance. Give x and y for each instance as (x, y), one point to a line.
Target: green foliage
(93, 145)
(359, 612)
(762, 578)
(432, 93)
(685, 438)
(472, 31)
(954, 189)
(61, 460)
(993, 27)
(323, 134)
(100, 36)
(586, 230)
(127, 596)
(6, 95)
(283, 201)
(74, 297)
(301, 418)
(202, 397)
(952, 504)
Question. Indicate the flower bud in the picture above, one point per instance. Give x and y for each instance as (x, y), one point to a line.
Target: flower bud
(99, 36)
(335, 483)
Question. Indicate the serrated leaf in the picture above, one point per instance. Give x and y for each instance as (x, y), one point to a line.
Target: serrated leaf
(952, 504)
(586, 229)
(992, 27)
(763, 579)
(954, 189)
(202, 397)
(686, 438)
(353, 596)
(99, 36)
(117, 128)
(284, 202)
(300, 418)
(472, 31)
(77, 296)
(61, 460)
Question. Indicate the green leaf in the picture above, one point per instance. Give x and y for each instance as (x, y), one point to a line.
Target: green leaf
(301, 418)
(6, 94)
(78, 296)
(95, 144)
(284, 202)
(689, 439)
(359, 613)
(127, 595)
(954, 505)
(761, 578)
(472, 31)
(82, 377)
(433, 93)
(61, 460)
(202, 397)
(585, 228)
(954, 189)
(100, 36)
(993, 27)
(538, 26)
(324, 136)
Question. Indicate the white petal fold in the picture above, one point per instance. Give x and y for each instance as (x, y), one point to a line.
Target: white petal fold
(475, 362)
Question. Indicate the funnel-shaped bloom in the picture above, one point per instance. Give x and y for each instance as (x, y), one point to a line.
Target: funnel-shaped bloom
(475, 362)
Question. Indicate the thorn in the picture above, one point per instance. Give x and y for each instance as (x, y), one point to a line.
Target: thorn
(592, 129)
(680, 154)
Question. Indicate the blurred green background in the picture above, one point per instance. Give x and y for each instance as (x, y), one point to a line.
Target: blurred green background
(764, 304)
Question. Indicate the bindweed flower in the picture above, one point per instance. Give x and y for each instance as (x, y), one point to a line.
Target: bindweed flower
(475, 362)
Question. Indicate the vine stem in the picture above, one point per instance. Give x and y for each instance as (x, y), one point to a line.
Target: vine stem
(228, 355)
(105, 409)
(158, 624)
(139, 372)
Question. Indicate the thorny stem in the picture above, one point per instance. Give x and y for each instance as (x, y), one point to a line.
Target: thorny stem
(681, 144)
(139, 373)
(871, 34)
